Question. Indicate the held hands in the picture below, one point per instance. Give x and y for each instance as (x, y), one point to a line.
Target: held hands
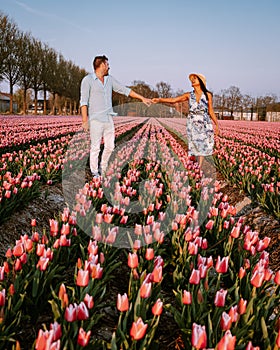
(147, 101)
(155, 100)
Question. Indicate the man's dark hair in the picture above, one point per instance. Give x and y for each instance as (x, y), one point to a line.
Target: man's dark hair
(98, 60)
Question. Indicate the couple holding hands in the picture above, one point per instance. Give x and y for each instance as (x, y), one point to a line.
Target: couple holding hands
(97, 112)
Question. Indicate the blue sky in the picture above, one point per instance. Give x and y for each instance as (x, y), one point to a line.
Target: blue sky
(233, 43)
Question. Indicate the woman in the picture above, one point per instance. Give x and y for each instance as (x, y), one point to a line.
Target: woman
(200, 130)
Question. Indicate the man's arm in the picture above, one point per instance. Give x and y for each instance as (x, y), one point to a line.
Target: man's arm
(145, 100)
(84, 111)
(84, 102)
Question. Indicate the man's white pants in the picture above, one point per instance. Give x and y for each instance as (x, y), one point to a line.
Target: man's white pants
(97, 131)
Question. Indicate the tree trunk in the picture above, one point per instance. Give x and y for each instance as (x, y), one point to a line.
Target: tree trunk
(45, 101)
(25, 100)
(11, 99)
(35, 102)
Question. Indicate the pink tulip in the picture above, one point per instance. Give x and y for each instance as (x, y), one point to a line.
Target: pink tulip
(122, 302)
(157, 308)
(44, 340)
(132, 260)
(186, 298)
(149, 254)
(146, 290)
(226, 321)
(251, 347)
(157, 274)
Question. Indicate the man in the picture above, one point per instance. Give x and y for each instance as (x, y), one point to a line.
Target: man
(97, 110)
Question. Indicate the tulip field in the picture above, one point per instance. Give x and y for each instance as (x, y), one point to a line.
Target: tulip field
(152, 245)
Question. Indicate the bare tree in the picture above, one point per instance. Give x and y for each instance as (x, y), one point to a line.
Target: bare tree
(163, 89)
(9, 54)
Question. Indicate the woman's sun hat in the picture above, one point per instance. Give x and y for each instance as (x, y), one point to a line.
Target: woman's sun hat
(201, 76)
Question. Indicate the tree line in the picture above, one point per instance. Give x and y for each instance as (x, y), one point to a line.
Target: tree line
(31, 65)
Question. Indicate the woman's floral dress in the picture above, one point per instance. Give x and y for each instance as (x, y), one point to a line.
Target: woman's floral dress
(200, 131)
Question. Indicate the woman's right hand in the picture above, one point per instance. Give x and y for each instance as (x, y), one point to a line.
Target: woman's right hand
(155, 100)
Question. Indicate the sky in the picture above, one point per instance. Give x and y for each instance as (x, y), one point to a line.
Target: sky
(231, 42)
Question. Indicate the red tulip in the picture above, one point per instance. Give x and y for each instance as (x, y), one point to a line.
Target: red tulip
(195, 277)
(220, 298)
(82, 311)
(242, 272)
(235, 232)
(277, 277)
(242, 304)
(96, 271)
(43, 263)
(227, 342)
(192, 248)
(53, 227)
(2, 297)
(122, 302)
(64, 242)
(257, 278)
(199, 336)
(12, 289)
(44, 340)
(209, 225)
(57, 332)
(70, 314)
(18, 249)
(222, 265)
(65, 229)
(278, 339)
(138, 329)
(82, 278)
(83, 337)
